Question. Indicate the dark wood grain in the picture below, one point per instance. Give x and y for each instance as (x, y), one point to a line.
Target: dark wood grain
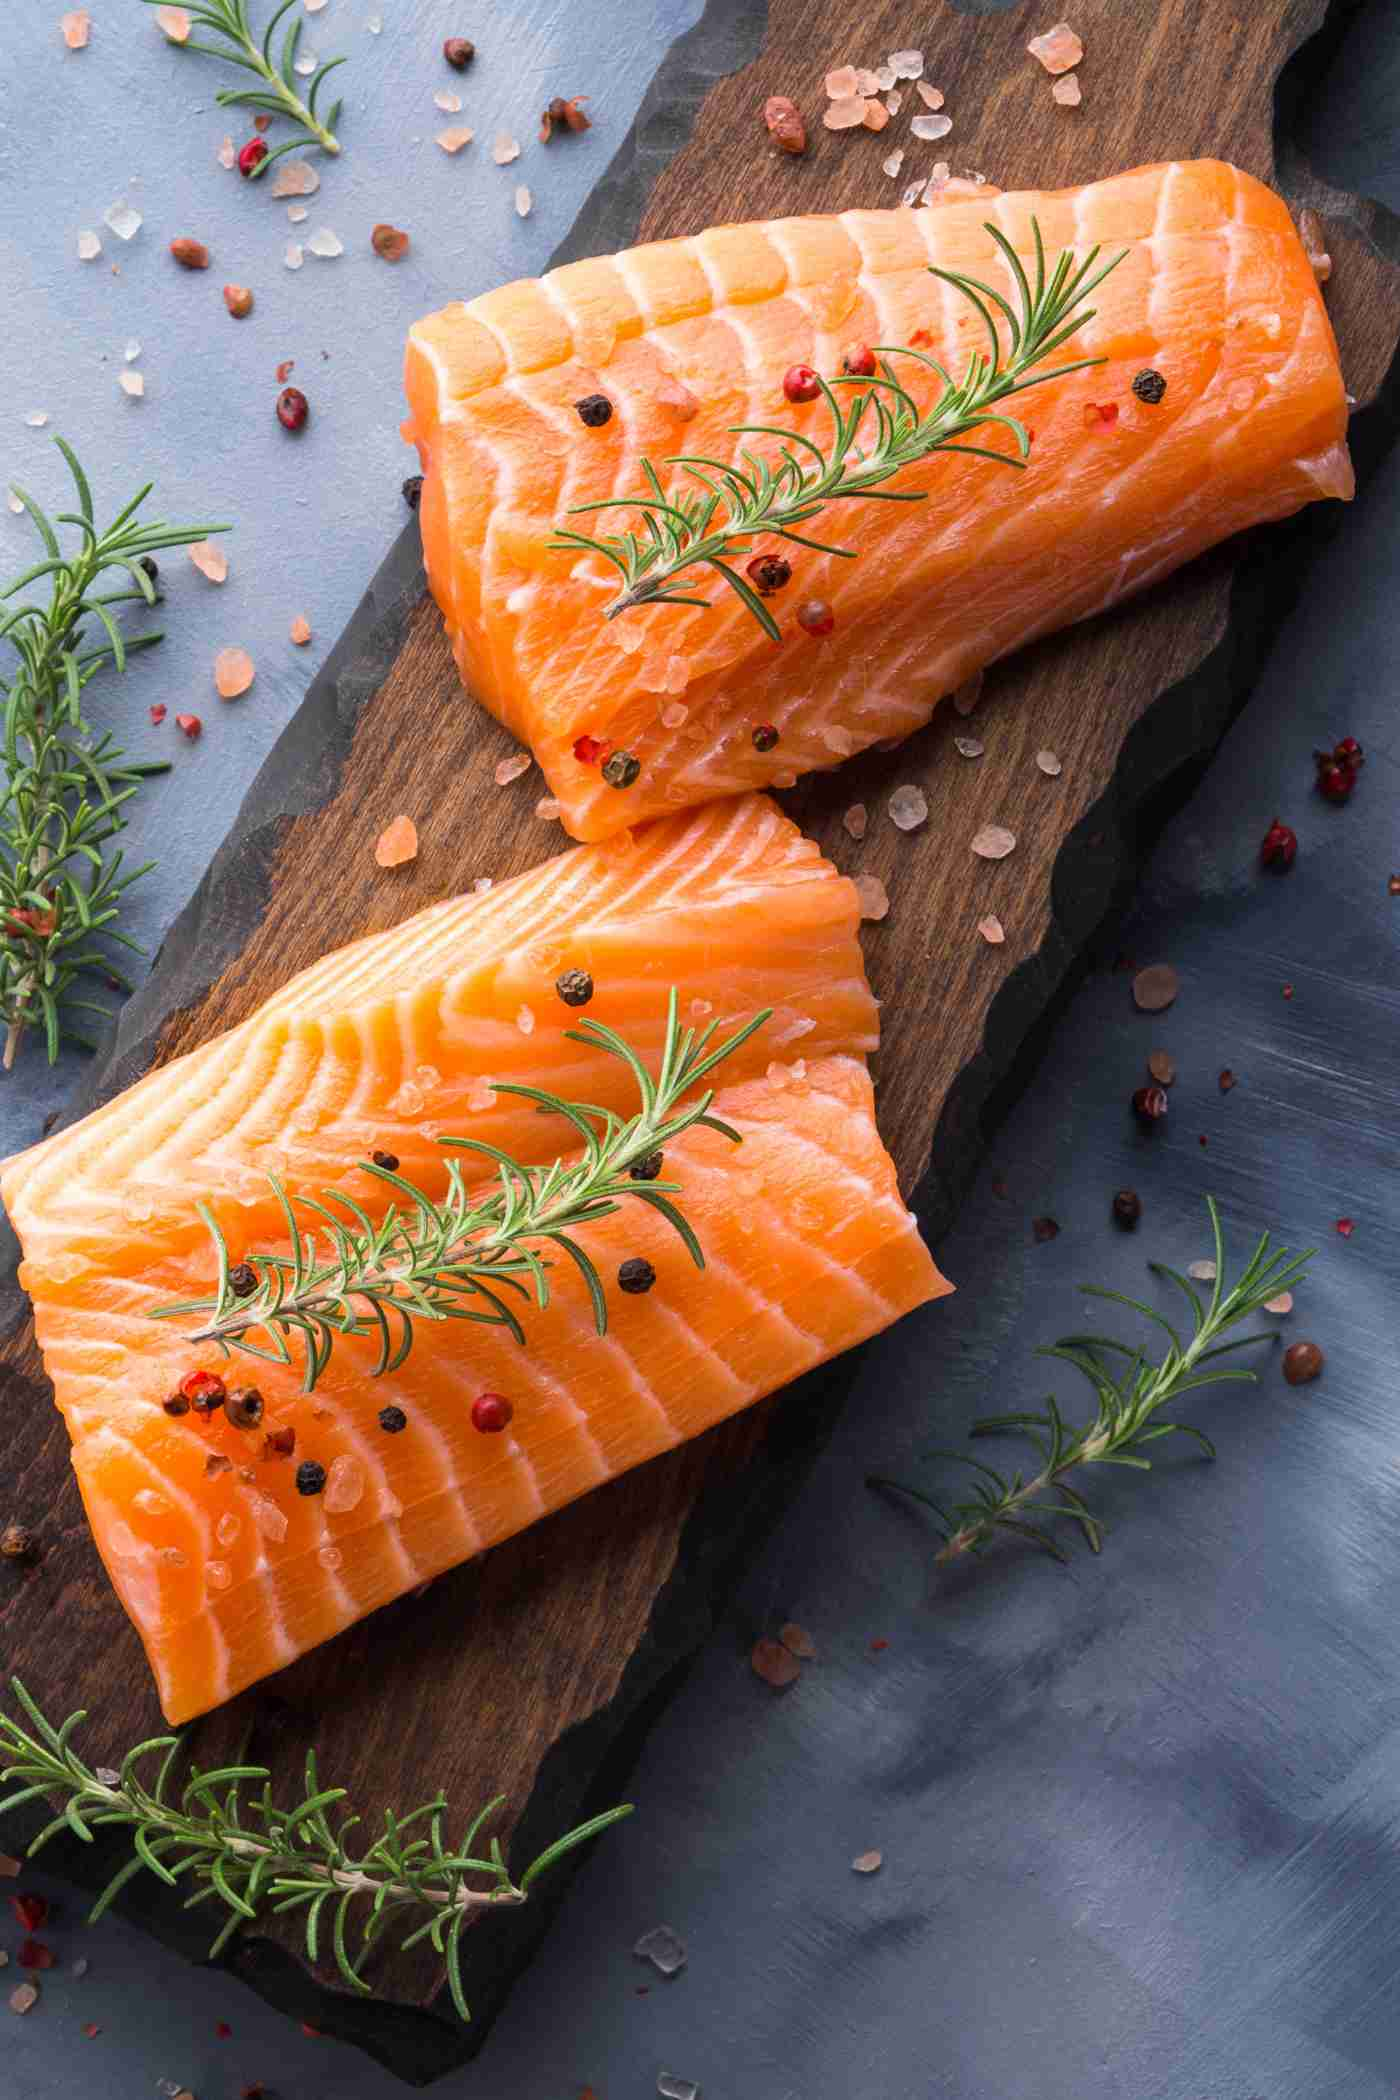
(515, 1674)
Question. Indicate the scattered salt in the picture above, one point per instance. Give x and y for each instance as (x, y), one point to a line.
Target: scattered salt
(218, 1574)
(802, 1025)
(1203, 1271)
(211, 561)
(991, 929)
(1066, 91)
(699, 1008)
(931, 97)
(967, 696)
(775, 1664)
(931, 127)
(523, 201)
(674, 713)
(123, 219)
(845, 114)
(313, 7)
(447, 101)
(872, 896)
(842, 83)
(89, 246)
(37, 418)
(525, 1020)
(894, 161)
(175, 22)
(1282, 1304)
(295, 178)
(300, 630)
(270, 1520)
(151, 1501)
(325, 243)
(329, 1557)
(480, 1095)
(133, 350)
(908, 808)
(509, 769)
(298, 212)
(894, 102)
(75, 26)
(374, 23)
(547, 809)
(397, 843)
(1058, 50)
(305, 63)
(855, 820)
(294, 255)
(482, 884)
(453, 141)
(131, 383)
(345, 1483)
(1048, 763)
(867, 81)
(969, 746)
(227, 153)
(672, 2088)
(867, 1862)
(407, 1101)
(664, 1949)
(907, 65)
(798, 1641)
(228, 1528)
(23, 1997)
(777, 1076)
(234, 672)
(505, 149)
(914, 192)
(993, 842)
(838, 739)
(884, 76)
(1313, 235)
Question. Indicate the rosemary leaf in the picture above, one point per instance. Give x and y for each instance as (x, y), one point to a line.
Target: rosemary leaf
(708, 518)
(456, 1259)
(1129, 1399)
(277, 91)
(226, 1834)
(66, 787)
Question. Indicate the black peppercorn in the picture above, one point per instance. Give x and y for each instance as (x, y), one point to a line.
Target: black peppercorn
(575, 987)
(244, 1407)
(392, 1420)
(764, 737)
(243, 1279)
(1149, 386)
(636, 1276)
(177, 1404)
(413, 490)
(1150, 1104)
(459, 51)
(621, 769)
(388, 1160)
(646, 1169)
(311, 1477)
(595, 410)
(1127, 1208)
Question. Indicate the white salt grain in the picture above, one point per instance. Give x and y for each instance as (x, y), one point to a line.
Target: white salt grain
(325, 243)
(873, 897)
(294, 255)
(453, 141)
(894, 161)
(228, 1528)
(123, 219)
(509, 769)
(505, 149)
(855, 820)
(298, 212)
(480, 1095)
(305, 63)
(227, 154)
(269, 1519)
(907, 65)
(884, 76)
(1203, 1271)
(345, 1483)
(446, 100)
(993, 842)
(37, 418)
(931, 127)
(132, 351)
(1066, 91)
(908, 808)
(89, 246)
(131, 383)
(969, 746)
(523, 201)
(664, 1949)
(525, 1020)
(672, 2088)
(894, 102)
(867, 1862)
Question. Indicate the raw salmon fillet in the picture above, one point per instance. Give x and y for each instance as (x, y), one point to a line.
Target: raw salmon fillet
(689, 337)
(227, 1572)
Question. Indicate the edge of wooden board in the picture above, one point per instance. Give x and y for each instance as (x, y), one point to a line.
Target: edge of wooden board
(1094, 868)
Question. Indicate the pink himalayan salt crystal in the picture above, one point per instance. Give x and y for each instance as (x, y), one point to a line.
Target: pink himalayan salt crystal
(547, 809)
(777, 1076)
(872, 896)
(523, 201)
(345, 1484)
(867, 1862)
(1059, 50)
(842, 83)
(300, 630)
(1049, 764)
(908, 808)
(837, 738)
(397, 843)
(993, 842)
(294, 255)
(480, 1095)
(295, 178)
(132, 384)
(674, 713)
(798, 1641)
(893, 162)
(447, 102)
(504, 149)
(774, 1663)
(297, 212)
(211, 561)
(1066, 91)
(867, 82)
(991, 929)
(525, 1020)
(25, 1996)
(233, 673)
(453, 140)
(175, 24)
(931, 127)
(876, 116)
(931, 97)
(227, 153)
(75, 26)
(855, 820)
(845, 114)
(511, 768)
(1314, 238)
(1282, 1304)
(270, 1520)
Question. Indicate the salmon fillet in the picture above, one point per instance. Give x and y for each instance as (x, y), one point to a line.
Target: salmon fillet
(227, 1572)
(687, 338)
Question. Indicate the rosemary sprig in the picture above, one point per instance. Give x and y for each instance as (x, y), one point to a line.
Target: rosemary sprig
(710, 526)
(453, 1260)
(225, 1835)
(277, 92)
(1129, 1402)
(65, 788)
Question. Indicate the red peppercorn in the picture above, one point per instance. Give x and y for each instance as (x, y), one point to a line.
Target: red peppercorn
(1279, 846)
(190, 724)
(859, 361)
(459, 51)
(800, 383)
(158, 711)
(768, 573)
(1349, 753)
(589, 749)
(491, 1413)
(1334, 782)
(204, 1390)
(293, 408)
(35, 1955)
(31, 1909)
(251, 157)
(816, 616)
(1150, 1104)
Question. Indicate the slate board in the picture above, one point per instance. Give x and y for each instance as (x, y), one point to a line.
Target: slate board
(533, 1671)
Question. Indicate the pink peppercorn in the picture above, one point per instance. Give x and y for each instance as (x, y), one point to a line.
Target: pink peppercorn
(293, 408)
(800, 383)
(190, 724)
(815, 616)
(251, 157)
(491, 1413)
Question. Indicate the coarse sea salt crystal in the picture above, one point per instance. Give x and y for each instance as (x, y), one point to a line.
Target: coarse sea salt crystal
(75, 26)
(480, 1094)
(297, 212)
(227, 153)
(269, 1519)
(523, 201)
(841, 83)
(893, 162)
(173, 1557)
(294, 255)
(992, 930)
(908, 808)
(131, 383)
(699, 1008)
(1048, 763)
(132, 352)
(305, 63)
(504, 149)
(447, 101)
(867, 82)
(907, 64)
(993, 842)
(931, 127)
(509, 769)
(453, 141)
(802, 1025)
(123, 218)
(1066, 91)
(884, 76)
(855, 820)
(295, 178)
(547, 809)
(345, 1483)
(89, 246)
(218, 1574)
(845, 114)
(234, 672)
(664, 1949)
(1202, 1271)
(525, 1020)
(329, 1557)
(969, 746)
(407, 1101)
(671, 2087)
(37, 418)
(15, 504)
(482, 884)
(673, 714)
(228, 1528)
(914, 192)
(873, 897)
(931, 97)
(325, 243)
(894, 102)
(1059, 50)
(149, 1499)
(837, 738)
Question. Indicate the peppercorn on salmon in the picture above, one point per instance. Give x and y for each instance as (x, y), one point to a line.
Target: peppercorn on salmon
(684, 339)
(239, 1536)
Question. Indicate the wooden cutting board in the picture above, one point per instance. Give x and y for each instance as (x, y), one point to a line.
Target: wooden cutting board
(521, 1673)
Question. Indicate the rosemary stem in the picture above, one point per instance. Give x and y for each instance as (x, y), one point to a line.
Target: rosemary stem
(326, 140)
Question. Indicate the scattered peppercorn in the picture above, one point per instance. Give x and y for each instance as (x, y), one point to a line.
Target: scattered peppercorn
(392, 1420)
(1346, 1227)
(293, 408)
(768, 573)
(1149, 386)
(784, 122)
(564, 110)
(621, 769)
(589, 749)
(859, 361)
(646, 1169)
(35, 1955)
(594, 410)
(1335, 783)
(1044, 1229)
(17, 1542)
(636, 1276)
(279, 1443)
(1127, 1209)
(239, 301)
(30, 1909)
(189, 725)
(251, 157)
(176, 1404)
(311, 1477)
(245, 1407)
(1278, 847)
(1302, 1363)
(413, 491)
(491, 1413)
(459, 51)
(243, 1279)
(1348, 752)
(815, 616)
(390, 243)
(800, 383)
(1227, 1080)
(204, 1390)
(1150, 1104)
(1395, 885)
(575, 987)
(190, 255)
(765, 736)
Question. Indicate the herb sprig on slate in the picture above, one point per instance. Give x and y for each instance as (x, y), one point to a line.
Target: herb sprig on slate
(278, 91)
(708, 518)
(458, 1258)
(61, 888)
(224, 1836)
(1130, 1393)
